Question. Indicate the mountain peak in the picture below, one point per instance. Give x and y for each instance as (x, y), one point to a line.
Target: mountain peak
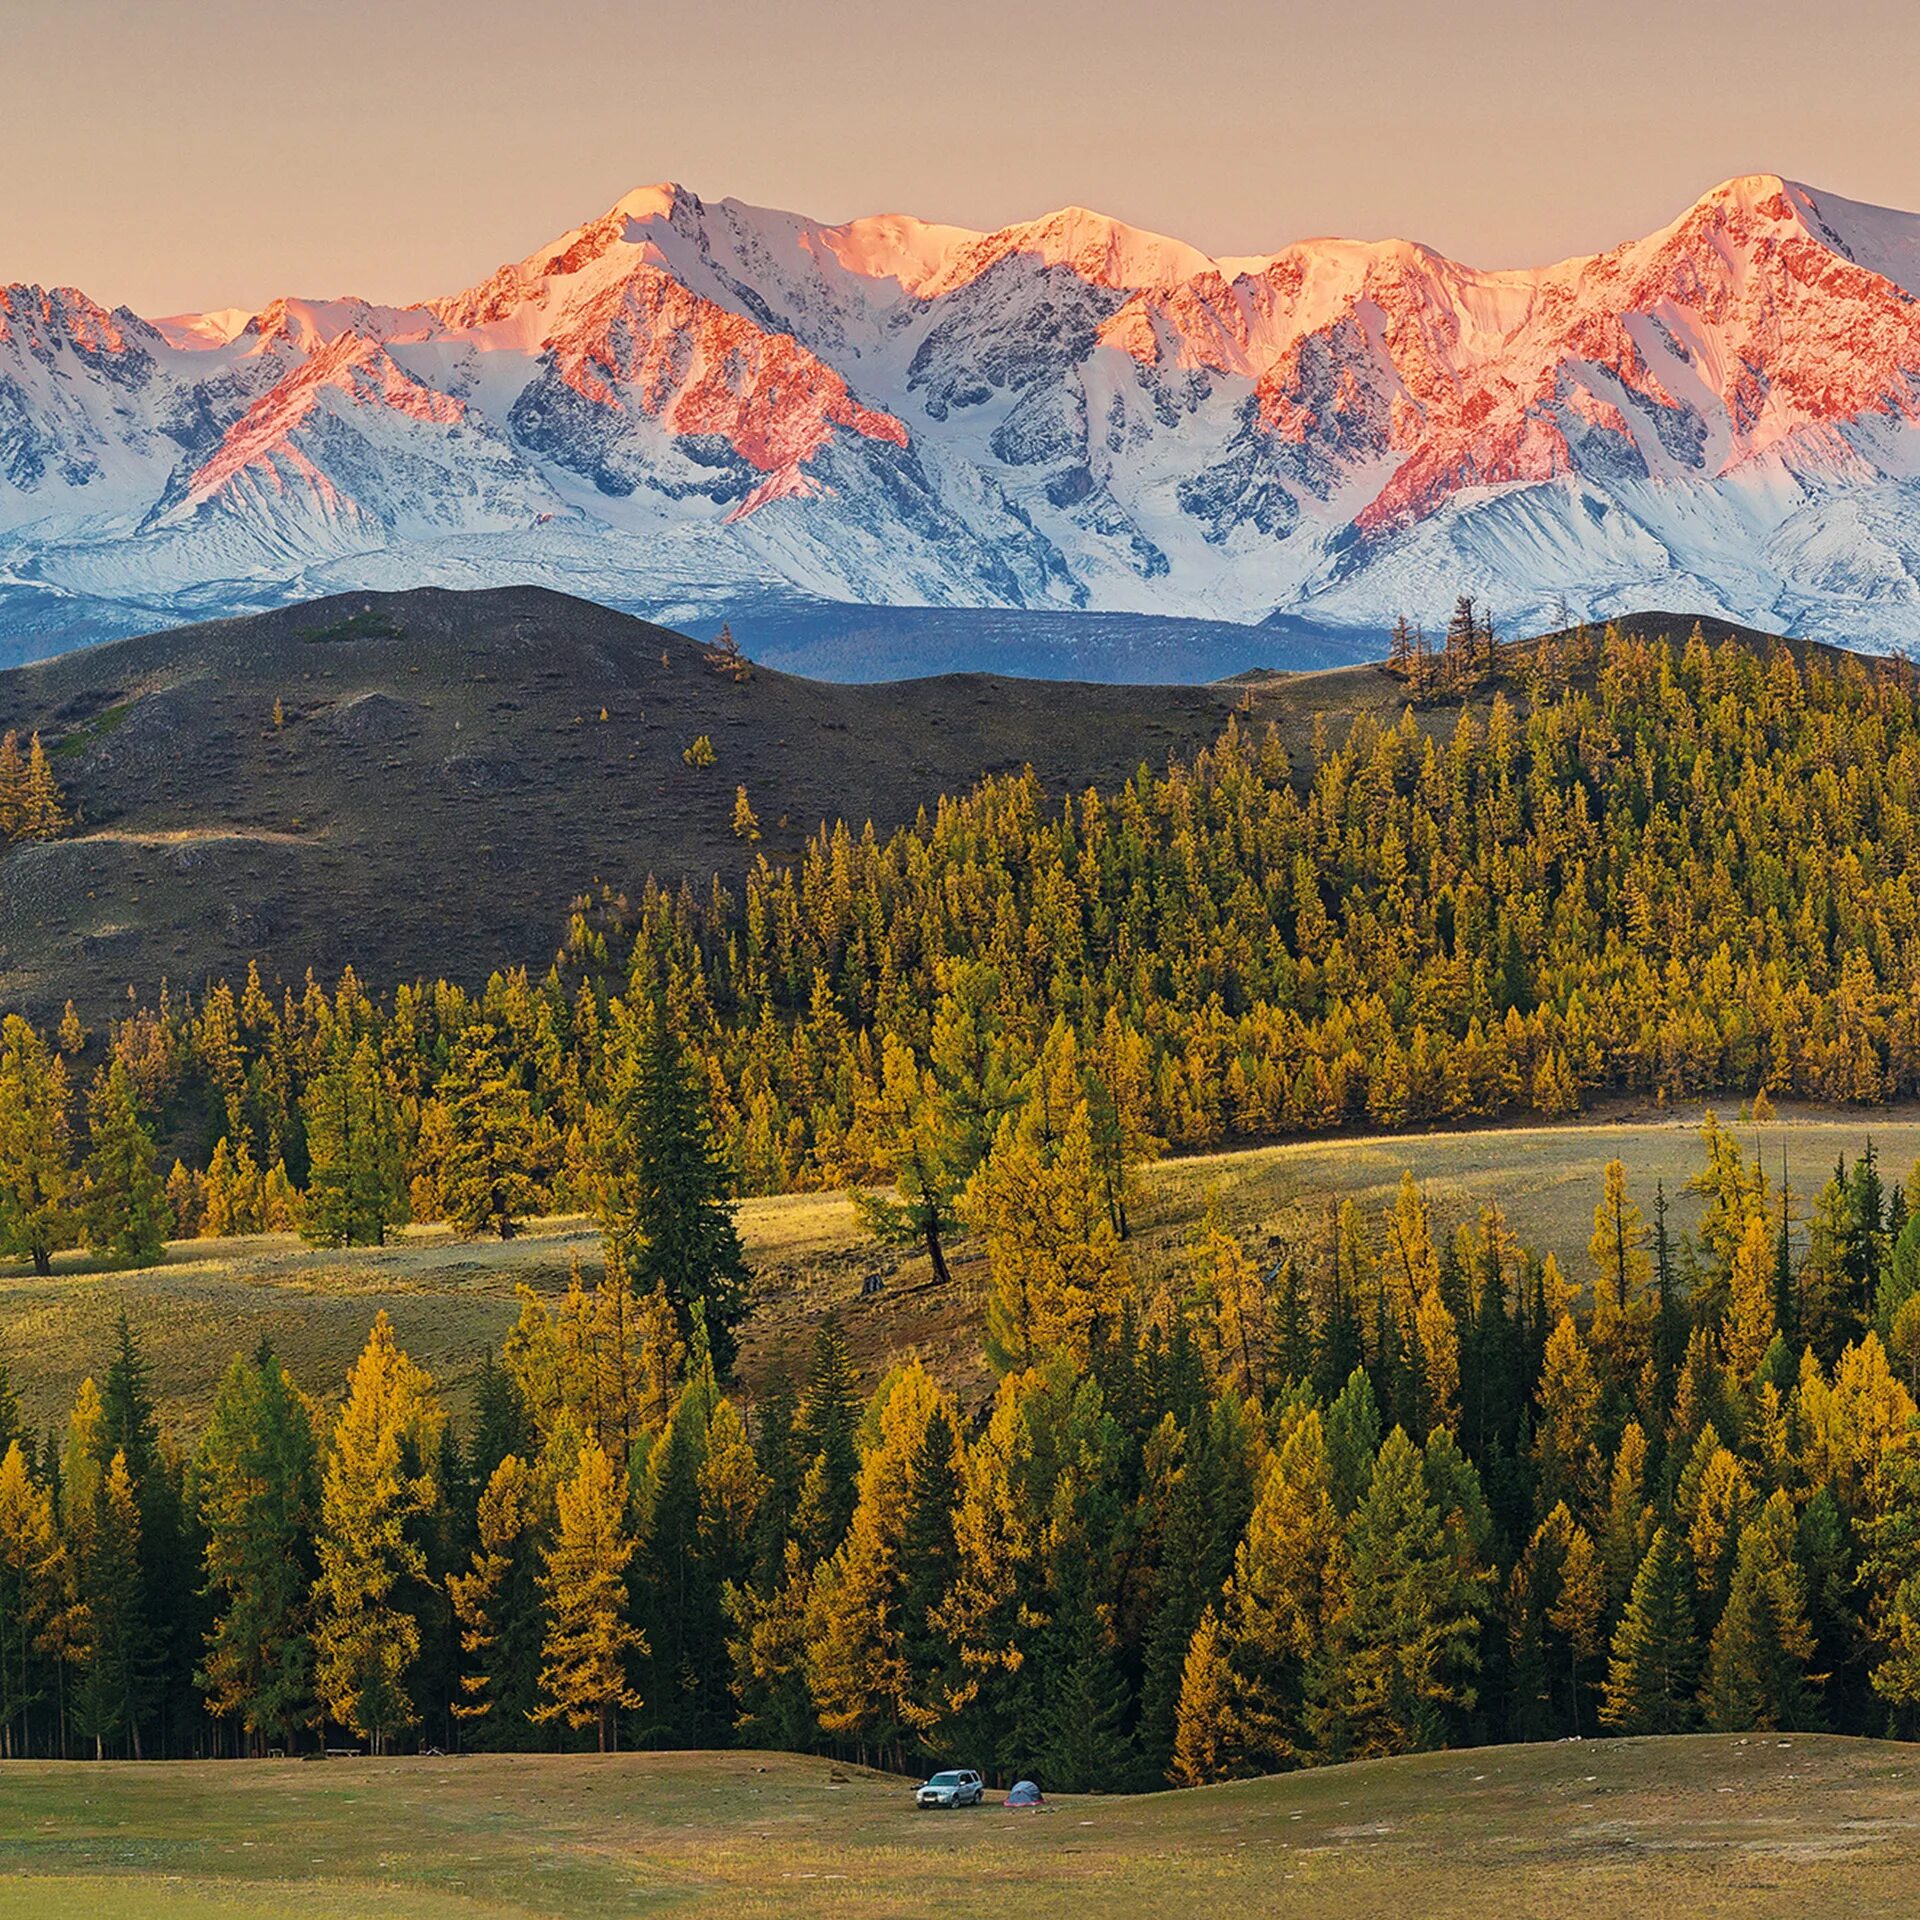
(657, 202)
(1097, 247)
(1751, 190)
(1069, 411)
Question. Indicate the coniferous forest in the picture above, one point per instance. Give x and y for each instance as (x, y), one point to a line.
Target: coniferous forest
(1408, 1484)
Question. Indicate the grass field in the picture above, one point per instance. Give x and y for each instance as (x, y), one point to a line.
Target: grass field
(452, 1299)
(1720, 1825)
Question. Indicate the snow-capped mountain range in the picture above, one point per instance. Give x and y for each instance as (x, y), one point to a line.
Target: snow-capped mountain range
(682, 404)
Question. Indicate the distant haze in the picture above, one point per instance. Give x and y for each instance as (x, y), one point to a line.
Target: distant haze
(197, 156)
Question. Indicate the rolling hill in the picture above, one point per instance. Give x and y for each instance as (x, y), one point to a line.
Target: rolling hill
(451, 770)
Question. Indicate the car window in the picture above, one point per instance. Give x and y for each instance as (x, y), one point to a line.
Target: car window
(948, 1779)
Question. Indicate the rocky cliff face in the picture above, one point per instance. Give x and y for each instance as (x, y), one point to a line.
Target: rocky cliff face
(679, 403)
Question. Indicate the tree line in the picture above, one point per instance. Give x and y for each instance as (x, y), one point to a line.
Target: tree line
(1665, 871)
(1395, 1489)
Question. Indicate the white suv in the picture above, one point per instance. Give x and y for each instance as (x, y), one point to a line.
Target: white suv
(960, 1788)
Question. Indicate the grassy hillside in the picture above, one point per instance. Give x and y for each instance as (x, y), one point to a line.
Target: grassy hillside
(1756, 1828)
(452, 769)
(443, 782)
(452, 1299)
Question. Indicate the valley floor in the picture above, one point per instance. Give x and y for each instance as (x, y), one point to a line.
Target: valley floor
(1761, 1827)
(452, 1300)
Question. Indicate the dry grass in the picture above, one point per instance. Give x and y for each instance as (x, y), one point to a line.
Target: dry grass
(1752, 1828)
(453, 1299)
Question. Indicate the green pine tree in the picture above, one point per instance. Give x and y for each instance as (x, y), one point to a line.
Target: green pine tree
(666, 1195)
(356, 1176)
(109, 1701)
(1757, 1664)
(1083, 1743)
(1400, 1653)
(126, 1205)
(1651, 1669)
(255, 1492)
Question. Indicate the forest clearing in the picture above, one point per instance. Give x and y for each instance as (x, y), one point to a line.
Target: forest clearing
(1758, 1827)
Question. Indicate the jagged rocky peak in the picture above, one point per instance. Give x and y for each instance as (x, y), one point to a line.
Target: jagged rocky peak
(682, 400)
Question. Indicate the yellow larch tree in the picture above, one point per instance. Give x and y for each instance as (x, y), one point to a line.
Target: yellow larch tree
(1622, 1324)
(1854, 1426)
(1233, 1296)
(1722, 1501)
(1202, 1740)
(1288, 1581)
(1563, 1440)
(507, 1516)
(39, 1610)
(1627, 1529)
(1749, 1327)
(584, 1679)
(856, 1656)
(1437, 1338)
(994, 1552)
(1058, 1272)
(1409, 1266)
(378, 1483)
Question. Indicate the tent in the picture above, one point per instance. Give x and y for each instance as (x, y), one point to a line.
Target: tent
(1023, 1793)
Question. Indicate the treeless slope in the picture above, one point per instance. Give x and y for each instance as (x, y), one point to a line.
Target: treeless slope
(450, 770)
(453, 769)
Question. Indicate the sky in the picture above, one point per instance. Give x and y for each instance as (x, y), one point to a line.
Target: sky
(194, 154)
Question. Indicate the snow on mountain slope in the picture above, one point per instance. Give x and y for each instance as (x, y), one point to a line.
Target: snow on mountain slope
(681, 402)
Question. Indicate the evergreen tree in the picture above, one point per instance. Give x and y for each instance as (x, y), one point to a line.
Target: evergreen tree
(355, 1177)
(1083, 1744)
(1651, 1669)
(1757, 1666)
(255, 1489)
(1353, 1438)
(824, 1440)
(1202, 1476)
(500, 1422)
(108, 1703)
(1401, 1650)
(166, 1556)
(666, 1203)
(126, 1204)
(679, 1582)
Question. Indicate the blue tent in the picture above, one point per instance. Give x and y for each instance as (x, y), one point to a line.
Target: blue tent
(1023, 1793)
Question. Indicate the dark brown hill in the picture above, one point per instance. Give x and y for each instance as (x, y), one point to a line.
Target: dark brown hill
(450, 770)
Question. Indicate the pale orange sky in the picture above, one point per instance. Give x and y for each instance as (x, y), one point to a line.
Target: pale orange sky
(208, 153)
